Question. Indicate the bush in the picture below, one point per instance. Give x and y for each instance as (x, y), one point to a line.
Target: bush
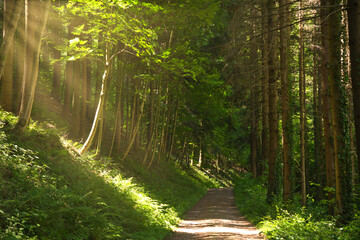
(298, 226)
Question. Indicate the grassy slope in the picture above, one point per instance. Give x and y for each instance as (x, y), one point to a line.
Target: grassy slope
(47, 193)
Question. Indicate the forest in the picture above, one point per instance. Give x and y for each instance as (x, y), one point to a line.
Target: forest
(142, 105)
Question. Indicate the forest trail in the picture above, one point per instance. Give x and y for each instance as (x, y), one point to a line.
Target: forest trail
(215, 216)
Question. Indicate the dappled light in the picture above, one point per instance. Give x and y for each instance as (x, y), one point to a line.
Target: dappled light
(215, 217)
(218, 226)
(153, 119)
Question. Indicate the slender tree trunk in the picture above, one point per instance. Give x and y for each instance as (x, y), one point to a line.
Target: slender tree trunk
(20, 63)
(132, 122)
(12, 12)
(273, 101)
(149, 146)
(33, 54)
(317, 121)
(328, 135)
(285, 97)
(200, 154)
(173, 130)
(119, 109)
(88, 89)
(99, 109)
(254, 111)
(150, 113)
(265, 95)
(156, 129)
(354, 44)
(69, 71)
(135, 130)
(339, 123)
(302, 107)
(56, 35)
(75, 120)
(83, 98)
(254, 142)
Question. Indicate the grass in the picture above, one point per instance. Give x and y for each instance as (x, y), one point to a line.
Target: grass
(48, 193)
(290, 221)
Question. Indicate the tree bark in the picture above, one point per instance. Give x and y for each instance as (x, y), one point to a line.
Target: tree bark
(354, 45)
(265, 95)
(69, 72)
(135, 130)
(56, 35)
(317, 116)
(84, 98)
(339, 123)
(20, 63)
(99, 109)
(119, 111)
(172, 141)
(302, 107)
(75, 119)
(273, 101)
(33, 54)
(12, 14)
(328, 134)
(285, 97)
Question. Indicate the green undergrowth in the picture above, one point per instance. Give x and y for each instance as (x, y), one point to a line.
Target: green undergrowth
(290, 221)
(48, 193)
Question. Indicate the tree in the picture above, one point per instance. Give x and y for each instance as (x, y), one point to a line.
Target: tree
(285, 96)
(302, 105)
(273, 101)
(339, 118)
(35, 26)
(12, 15)
(327, 116)
(354, 44)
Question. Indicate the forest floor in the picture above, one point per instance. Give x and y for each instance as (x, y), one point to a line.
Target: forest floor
(215, 216)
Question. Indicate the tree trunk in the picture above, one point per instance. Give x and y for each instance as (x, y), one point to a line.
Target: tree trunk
(99, 109)
(254, 130)
(119, 110)
(88, 89)
(69, 71)
(302, 107)
(172, 141)
(285, 97)
(33, 54)
(318, 139)
(339, 123)
(135, 130)
(328, 135)
(12, 12)
(75, 120)
(273, 99)
(354, 44)
(20, 60)
(84, 98)
(265, 96)
(56, 35)
(254, 111)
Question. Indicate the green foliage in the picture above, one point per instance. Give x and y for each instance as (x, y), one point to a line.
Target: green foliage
(47, 193)
(298, 226)
(250, 197)
(352, 230)
(291, 220)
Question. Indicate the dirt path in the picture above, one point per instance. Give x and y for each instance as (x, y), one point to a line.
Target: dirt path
(215, 217)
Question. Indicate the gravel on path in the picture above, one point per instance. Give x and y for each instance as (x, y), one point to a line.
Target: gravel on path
(215, 216)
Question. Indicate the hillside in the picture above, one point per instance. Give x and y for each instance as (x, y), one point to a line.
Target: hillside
(47, 192)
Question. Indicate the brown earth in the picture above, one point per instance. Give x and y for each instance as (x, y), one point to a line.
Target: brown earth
(215, 216)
